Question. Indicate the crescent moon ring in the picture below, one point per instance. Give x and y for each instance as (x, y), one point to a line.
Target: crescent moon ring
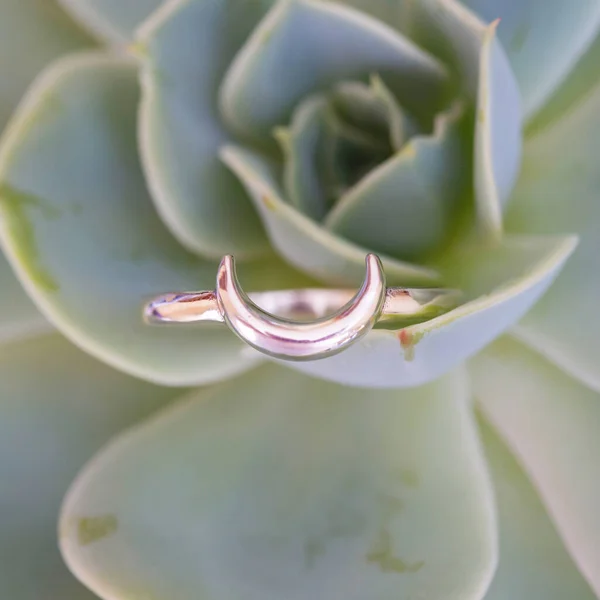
(338, 317)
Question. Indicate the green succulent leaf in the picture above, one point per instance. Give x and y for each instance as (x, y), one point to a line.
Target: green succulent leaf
(32, 33)
(578, 83)
(302, 241)
(306, 45)
(405, 206)
(57, 407)
(551, 422)
(527, 26)
(277, 485)
(375, 107)
(307, 145)
(500, 284)
(334, 138)
(534, 563)
(497, 135)
(125, 175)
(185, 49)
(82, 233)
(564, 326)
(454, 34)
(19, 318)
(396, 14)
(484, 76)
(110, 20)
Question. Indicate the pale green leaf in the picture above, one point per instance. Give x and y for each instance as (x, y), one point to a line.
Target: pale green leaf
(534, 564)
(500, 284)
(559, 191)
(275, 485)
(326, 148)
(57, 407)
(185, 49)
(551, 422)
(544, 39)
(497, 135)
(303, 46)
(302, 241)
(18, 316)
(485, 77)
(303, 144)
(405, 207)
(373, 107)
(32, 33)
(82, 233)
(580, 81)
(397, 13)
(110, 20)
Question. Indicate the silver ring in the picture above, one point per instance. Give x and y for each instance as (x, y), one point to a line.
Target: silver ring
(305, 324)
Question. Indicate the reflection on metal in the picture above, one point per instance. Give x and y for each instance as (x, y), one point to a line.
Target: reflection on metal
(304, 324)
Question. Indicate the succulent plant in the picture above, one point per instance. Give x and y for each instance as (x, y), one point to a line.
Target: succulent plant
(452, 456)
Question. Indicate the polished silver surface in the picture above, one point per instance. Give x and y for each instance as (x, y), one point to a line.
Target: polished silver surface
(297, 340)
(304, 324)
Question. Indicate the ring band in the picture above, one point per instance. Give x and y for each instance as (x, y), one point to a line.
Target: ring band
(304, 324)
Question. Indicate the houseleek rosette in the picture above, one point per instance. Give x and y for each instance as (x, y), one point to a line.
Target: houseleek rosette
(300, 135)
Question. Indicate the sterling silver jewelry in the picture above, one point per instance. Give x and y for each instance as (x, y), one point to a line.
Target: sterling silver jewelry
(305, 324)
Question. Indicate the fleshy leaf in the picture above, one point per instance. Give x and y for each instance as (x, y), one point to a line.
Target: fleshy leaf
(275, 485)
(185, 49)
(559, 191)
(82, 233)
(405, 206)
(504, 282)
(305, 243)
(534, 564)
(551, 422)
(302, 46)
(303, 144)
(497, 135)
(580, 81)
(32, 33)
(324, 154)
(544, 39)
(397, 14)
(111, 20)
(451, 30)
(19, 318)
(57, 407)
(374, 107)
